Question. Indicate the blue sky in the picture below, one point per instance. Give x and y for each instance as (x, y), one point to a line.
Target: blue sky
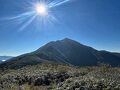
(95, 23)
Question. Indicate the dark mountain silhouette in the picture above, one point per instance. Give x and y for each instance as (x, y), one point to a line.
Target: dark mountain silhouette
(117, 54)
(64, 51)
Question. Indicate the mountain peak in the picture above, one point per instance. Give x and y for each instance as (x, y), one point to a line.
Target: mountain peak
(67, 39)
(66, 51)
(63, 41)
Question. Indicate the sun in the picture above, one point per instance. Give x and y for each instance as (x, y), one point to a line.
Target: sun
(41, 9)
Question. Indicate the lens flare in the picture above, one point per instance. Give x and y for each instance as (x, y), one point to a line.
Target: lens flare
(41, 9)
(39, 12)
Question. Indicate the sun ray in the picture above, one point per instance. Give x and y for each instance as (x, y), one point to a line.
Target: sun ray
(20, 16)
(39, 11)
(57, 3)
(27, 23)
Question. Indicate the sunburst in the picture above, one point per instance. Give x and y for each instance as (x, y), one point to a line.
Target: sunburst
(39, 11)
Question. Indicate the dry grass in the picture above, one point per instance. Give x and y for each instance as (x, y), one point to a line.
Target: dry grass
(61, 77)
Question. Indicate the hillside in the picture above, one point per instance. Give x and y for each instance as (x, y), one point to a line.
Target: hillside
(65, 51)
(51, 76)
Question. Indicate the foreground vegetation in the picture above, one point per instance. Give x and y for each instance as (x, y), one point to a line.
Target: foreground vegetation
(60, 77)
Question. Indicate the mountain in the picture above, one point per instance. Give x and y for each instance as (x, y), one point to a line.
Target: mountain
(4, 58)
(75, 53)
(117, 54)
(64, 51)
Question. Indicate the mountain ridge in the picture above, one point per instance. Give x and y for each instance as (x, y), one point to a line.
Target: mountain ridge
(65, 51)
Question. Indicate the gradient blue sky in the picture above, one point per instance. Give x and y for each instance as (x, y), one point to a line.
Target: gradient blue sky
(94, 23)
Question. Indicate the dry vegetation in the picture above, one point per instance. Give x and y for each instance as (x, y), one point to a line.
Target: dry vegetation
(61, 77)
